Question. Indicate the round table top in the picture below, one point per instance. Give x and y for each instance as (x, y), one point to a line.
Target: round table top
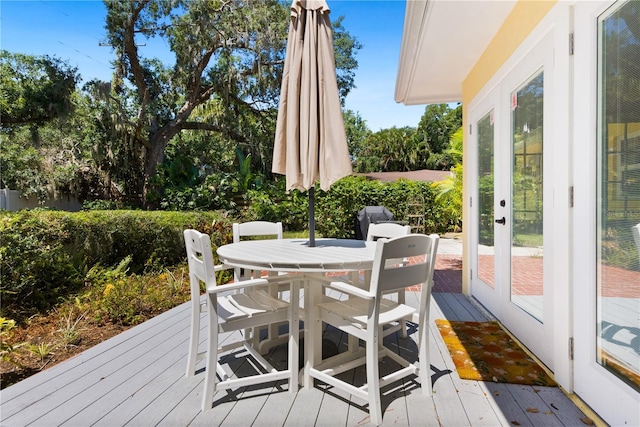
(296, 255)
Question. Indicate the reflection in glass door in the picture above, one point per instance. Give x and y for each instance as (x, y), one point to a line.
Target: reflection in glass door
(618, 213)
(527, 191)
(486, 248)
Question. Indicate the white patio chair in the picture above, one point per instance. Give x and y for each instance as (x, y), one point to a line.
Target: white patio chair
(228, 311)
(366, 310)
(254, 229)
(260, 229)
(388, 230)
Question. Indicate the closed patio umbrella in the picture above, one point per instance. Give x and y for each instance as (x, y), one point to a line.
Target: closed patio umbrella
(310, 141)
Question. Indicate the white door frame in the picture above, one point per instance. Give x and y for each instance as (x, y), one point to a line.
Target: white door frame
(606, 394)
(489, 297)
(555, 29)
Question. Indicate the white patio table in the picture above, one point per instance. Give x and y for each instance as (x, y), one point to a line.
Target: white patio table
(295, 255)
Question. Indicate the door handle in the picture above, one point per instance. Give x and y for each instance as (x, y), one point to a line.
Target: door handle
(502, 221)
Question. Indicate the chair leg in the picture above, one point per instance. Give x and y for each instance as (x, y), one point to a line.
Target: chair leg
(313, 331)
(194, 338)
(294, 336)
(424, 360)
(353, 343)
(212, 354)
(403, 323)
(373, 378)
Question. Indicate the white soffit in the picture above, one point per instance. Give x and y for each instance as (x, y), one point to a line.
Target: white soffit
(441, 42)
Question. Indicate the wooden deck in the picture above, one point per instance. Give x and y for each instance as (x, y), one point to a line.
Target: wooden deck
(138, 378)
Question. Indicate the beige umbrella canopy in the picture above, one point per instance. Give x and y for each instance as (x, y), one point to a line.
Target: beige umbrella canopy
(310, 142)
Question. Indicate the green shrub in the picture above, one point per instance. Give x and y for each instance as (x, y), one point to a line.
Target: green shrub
(45, 255)
(273, 203)
(336, 210)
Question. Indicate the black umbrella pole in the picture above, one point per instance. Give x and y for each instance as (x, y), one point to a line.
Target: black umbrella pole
(312, 218)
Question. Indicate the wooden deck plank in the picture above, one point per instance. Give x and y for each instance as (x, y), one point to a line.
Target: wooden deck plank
(468, 397)
(137, 379)
(421, 410)
(175, 402)
(151, 385)
(110, 383)
(334, 408)
(246, 403)
(358, 409)
(534, 408)
(248, 406)
(92, 378)
(454, 307)
(275, 410)
(508, 409)
(450, 410)
(478, 407)
(566, 411)
(184, 393)
(187, 412)
(305, 408)
(109, 349)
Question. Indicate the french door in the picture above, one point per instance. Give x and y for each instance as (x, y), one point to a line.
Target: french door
(512, 200)
(606, 239)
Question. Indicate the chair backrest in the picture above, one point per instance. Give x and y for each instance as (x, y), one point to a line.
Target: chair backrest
(256, 228)
(252, 229)
(388, 230)
(200, 258)
(392, 272)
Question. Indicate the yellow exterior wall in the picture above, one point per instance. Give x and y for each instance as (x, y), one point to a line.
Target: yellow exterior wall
(524, 17)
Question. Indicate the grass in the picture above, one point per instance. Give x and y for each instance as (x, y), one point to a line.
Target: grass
(528, 240)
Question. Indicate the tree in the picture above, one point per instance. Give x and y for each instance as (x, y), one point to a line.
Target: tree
(35, 89)
(450, 189)
(357, 132)
(43, 160)
(436, 126)
(388, 150)
(228, 61)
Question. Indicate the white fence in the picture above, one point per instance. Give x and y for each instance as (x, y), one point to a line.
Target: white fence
(11, 200)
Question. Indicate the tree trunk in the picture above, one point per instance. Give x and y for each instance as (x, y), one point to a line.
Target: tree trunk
(155, 156)
(158, 143)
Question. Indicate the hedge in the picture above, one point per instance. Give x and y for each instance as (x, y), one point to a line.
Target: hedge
(44, 255)
(336, 210)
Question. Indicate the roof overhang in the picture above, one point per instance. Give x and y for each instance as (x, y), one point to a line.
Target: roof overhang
(441, 42)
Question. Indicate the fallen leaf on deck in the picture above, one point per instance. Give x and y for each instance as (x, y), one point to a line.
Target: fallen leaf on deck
(533, 410)
(588, 421)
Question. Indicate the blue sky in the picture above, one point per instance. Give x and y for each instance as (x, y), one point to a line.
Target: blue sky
(72, 31)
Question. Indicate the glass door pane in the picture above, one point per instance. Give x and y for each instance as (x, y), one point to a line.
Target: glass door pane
(618, 213)
(486, 249)
(527, 214)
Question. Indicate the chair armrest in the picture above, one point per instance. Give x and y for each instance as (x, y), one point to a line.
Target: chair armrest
(351, 290)
(284, 278)
(238, 285)
(221, 267)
